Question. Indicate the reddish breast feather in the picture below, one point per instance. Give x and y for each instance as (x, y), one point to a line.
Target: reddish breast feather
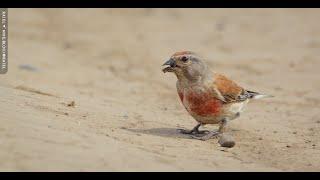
(181, 96)
(203, 104)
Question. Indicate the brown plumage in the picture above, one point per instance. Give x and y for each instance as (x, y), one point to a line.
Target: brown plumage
(209, 97)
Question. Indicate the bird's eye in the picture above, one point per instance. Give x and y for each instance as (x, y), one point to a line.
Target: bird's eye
(184, 59)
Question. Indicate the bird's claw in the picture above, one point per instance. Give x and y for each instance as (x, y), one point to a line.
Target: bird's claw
(208, 136)
(184, 131)
(203, 132)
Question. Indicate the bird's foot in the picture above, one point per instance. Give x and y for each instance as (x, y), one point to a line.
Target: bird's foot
(185, 131)
(194, 132)
(212, 134)
(203, 132)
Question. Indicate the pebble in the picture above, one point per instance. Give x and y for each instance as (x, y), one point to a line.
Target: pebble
(71, 104)
(67, 45)
(226, 141)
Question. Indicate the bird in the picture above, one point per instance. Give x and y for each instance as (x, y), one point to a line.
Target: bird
(208, 96)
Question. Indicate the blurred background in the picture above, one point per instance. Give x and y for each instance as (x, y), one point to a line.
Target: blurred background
(125, 110)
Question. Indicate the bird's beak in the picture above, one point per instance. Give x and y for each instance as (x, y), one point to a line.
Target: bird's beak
(171, 64)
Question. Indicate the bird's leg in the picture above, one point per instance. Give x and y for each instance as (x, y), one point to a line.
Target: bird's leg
(223, 125)
(213, 134)
(195, 130)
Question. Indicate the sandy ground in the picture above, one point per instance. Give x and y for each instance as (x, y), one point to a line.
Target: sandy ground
(108, 61)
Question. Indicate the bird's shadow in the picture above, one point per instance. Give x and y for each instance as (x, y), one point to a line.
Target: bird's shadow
(163, 132)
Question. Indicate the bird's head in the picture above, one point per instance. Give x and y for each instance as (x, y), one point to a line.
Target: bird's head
(186, 65)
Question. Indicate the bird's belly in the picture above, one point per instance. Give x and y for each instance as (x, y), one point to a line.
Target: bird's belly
(207, 109)
(201, 104)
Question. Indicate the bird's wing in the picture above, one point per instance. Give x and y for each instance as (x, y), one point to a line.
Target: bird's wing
(227, 90)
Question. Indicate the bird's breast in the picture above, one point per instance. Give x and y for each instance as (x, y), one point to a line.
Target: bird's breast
(200, 103)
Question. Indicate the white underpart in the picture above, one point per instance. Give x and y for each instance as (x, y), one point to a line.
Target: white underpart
(237, 107)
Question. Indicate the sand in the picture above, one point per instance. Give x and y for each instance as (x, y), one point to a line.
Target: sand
(126, 111)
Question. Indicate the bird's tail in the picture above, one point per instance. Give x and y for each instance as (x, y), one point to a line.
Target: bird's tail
(256, 95)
